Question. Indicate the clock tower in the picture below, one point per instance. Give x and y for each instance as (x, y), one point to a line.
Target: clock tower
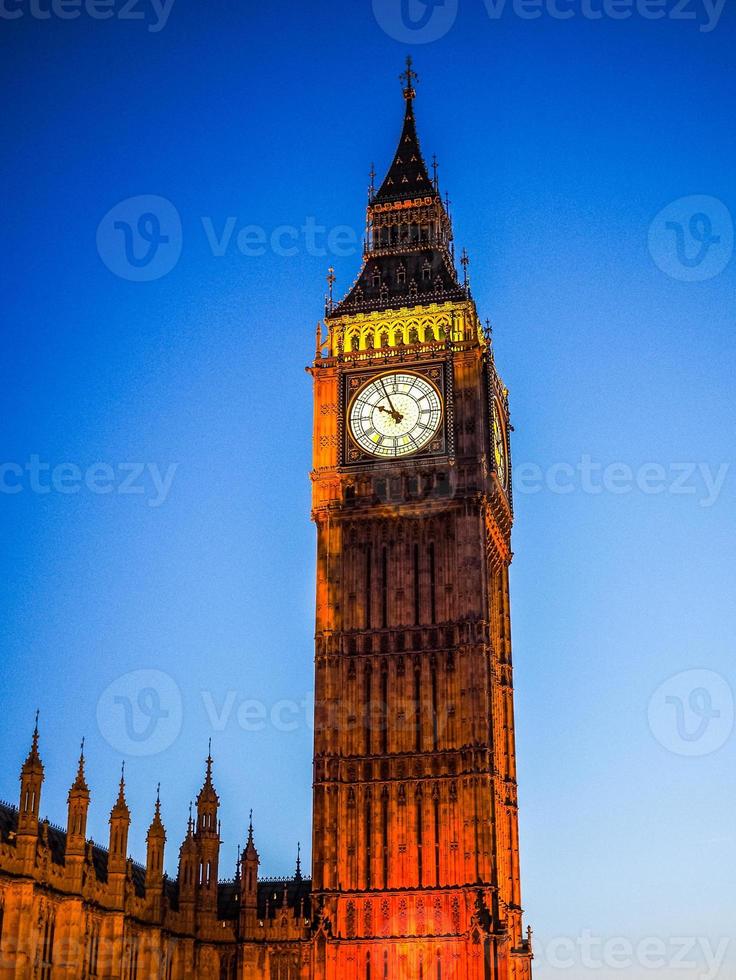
(416, 847)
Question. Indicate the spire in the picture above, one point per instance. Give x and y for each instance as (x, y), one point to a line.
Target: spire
(207, 794)
(408, 257)
(157, 827)
(33, 764)
(121, 807)
(80, 783)
(298, 874)
(250, 847)
(407, 177)
(465, 262)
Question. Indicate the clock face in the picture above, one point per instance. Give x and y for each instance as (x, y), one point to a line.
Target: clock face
(395, 415)
(499, 449)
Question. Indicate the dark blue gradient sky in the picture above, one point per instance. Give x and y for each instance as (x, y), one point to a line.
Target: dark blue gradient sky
(560, 143)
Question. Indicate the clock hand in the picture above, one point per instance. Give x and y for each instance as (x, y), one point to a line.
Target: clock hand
(397, 415)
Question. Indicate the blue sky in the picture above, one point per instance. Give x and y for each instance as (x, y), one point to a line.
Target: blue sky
(561, 142)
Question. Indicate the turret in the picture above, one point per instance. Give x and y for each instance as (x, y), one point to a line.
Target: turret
(156, 841)
(208, 842)
(76, 824)
(31, 780)
(117, 861)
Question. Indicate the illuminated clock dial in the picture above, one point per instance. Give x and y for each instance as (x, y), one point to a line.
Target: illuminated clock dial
(500, 450)
(395, 415)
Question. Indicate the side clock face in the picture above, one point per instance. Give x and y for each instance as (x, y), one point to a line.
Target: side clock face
(500, 450)
(395, 415)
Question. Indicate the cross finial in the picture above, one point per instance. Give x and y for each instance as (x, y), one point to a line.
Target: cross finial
(331, 280)
(408, 77)
(465, 262)
(435, 167)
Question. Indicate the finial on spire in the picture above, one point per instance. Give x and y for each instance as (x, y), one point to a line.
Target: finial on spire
(80, 782)
(409, 77)
(298, 875)
(33, 762)
(372, 184)
(465, 262)
(208, 762)
(435, 168)
(331, 280)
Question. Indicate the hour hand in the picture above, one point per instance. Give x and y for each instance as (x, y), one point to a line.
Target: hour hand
(396, 416)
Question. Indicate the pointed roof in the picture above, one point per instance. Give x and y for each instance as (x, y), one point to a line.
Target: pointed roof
(79, 786)
(250, 851)
(298, 874)
(120, 811)
(407, 177)
(208, 794)
(408, 260)
(157, 828)
(33, 765)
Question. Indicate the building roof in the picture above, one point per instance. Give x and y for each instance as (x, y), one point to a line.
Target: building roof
(271, 892)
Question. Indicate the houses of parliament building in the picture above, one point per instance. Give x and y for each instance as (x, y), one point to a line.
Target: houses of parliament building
(415, 852)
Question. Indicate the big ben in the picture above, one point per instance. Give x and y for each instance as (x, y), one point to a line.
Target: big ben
(415, 840)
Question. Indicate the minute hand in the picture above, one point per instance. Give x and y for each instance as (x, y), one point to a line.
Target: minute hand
(397, 415)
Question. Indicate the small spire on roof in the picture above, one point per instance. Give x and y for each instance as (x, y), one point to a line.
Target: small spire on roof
(298, 875)
(465, 262)
(33, 762)
(121, 807)
(331, 280)
(80, 782)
